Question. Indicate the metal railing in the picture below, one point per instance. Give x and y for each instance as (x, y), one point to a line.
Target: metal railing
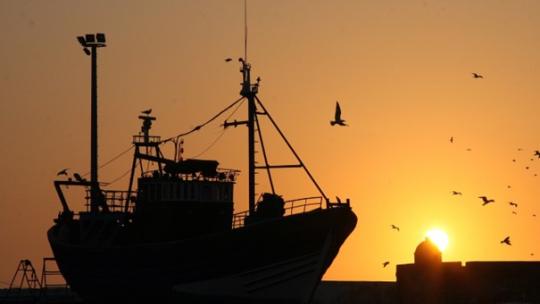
(150, 139)
(115, 199)
(291, 207)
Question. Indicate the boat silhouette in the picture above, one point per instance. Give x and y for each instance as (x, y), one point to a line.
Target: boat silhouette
(174, 234)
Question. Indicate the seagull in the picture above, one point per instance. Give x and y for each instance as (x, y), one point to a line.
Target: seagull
(506, 241)
(537, 153)
(519, 149)
(452, 139)
(385, 264)
(395, 227)
(476, 75)
(486, 200)
(508, 186)
(513, 212)
(456, 193)
(513, 204)
(469, 149)
(78, 177)
(228, 59)
(147, 112)
(514, 160)
(527, 168)
(62, 172)
(337, 117)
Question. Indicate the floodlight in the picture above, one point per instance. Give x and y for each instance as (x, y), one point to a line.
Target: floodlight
(100, 37)
(81, 40)
(90, 38)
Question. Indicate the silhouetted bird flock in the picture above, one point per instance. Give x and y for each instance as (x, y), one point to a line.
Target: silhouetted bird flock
(486, 200)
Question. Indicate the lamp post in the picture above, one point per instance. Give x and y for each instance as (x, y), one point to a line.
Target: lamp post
(90, 44)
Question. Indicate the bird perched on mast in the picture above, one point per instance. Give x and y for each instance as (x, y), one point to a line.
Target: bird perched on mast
(337, 117)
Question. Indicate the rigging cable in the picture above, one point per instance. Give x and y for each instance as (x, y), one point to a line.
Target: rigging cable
(197, 128)
(118, 178)
(114, 158)
(221, 134)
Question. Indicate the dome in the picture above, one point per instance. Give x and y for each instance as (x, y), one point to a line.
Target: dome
(427, 253)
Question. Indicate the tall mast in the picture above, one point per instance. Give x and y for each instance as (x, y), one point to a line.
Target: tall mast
(250, 91)
(90, 44)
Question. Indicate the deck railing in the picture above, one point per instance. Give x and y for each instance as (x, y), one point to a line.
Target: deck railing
(115, 199)
(295, 206)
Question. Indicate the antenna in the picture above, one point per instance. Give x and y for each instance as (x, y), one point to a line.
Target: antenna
(245, 30)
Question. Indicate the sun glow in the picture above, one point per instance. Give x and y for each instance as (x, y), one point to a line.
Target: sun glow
(439, 237)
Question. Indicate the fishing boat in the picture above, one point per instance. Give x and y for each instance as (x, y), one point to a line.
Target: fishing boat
(174, 233)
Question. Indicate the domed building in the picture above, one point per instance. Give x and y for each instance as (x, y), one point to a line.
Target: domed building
(430, 280)
(427, 253)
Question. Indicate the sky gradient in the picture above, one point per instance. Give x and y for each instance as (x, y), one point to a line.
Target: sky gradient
(400, 69)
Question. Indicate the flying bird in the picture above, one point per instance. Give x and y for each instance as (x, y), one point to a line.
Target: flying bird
(469, 149)
(385, 264)
(506, 241)
(452, 139)
(228, 59)
(513, 212)
(514, 160)
(147, 112)
(394, 227)
(476, 75)
(537, 153)
(520, 149)
(486, 200)
(62, 172)
(513, 204)
(456, 193)
(337, 117)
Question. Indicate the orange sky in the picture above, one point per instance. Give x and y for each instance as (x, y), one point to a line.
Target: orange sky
(400, 69)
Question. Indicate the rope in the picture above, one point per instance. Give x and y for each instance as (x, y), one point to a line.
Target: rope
(221, 134)
(197, 128)
(113, 159)
(211, 145)
(118, 178)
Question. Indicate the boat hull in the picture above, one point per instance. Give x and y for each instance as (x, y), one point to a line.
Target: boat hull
(279, 261)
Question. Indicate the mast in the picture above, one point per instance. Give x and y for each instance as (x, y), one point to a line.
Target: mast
(249, 92)
(90, 44)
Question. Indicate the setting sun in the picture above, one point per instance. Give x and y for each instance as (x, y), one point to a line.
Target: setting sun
(439, 237)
